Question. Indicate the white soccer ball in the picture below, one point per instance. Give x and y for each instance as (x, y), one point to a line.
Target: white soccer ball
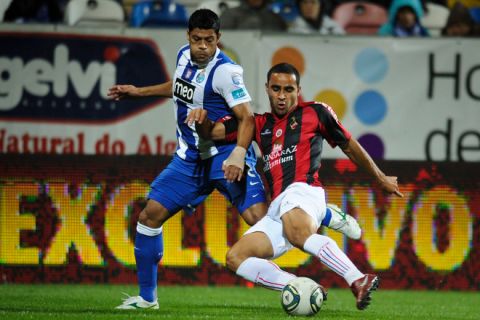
(302, 297)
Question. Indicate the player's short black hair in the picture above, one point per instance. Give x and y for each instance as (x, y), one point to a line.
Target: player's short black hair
(284, 68)
(204, 19)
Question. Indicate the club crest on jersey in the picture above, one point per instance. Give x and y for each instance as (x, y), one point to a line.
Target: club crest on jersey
(278, 133)
(183, 90)
(200, 77)
(293, 123)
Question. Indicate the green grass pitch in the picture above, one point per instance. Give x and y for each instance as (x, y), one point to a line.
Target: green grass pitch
(97, 302)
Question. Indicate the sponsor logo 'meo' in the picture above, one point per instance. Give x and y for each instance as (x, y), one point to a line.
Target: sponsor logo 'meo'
(60, 80)
(183, 90)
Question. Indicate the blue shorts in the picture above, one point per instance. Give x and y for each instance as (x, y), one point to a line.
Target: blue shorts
(182, 184)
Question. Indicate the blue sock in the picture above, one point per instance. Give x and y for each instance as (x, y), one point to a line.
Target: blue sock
(148, 252)
(328, 217)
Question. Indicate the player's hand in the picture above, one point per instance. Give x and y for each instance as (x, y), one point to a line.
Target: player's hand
(390, 184)
(122, 91)
(197, 115)
(234, 164)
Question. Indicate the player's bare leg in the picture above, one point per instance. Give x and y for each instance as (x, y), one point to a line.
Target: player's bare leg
(254, 244)
(249, 259)
(254, 213)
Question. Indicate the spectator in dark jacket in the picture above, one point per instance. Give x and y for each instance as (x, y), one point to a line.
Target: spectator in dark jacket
(47, 11)
(460, 23)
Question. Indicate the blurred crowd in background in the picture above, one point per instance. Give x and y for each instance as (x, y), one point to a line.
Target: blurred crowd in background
(397, 18)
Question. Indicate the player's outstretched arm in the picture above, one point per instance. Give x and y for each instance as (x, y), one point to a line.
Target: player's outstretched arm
(128, 91)
(360, 157)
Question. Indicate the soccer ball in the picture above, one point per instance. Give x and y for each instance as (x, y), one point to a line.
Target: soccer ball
(302, 297)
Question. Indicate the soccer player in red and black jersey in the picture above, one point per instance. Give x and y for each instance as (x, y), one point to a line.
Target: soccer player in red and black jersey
(290, 139)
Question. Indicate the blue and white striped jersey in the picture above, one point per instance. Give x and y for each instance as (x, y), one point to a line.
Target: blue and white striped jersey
(217, 88)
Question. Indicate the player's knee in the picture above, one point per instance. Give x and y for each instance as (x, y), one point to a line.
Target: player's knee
(255, 213)
(298, 227)
(234, 259)
(153, 215)
(297, 237)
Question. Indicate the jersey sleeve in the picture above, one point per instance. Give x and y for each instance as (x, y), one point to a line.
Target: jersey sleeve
(231, 127)
(228, 82)
(330, 126)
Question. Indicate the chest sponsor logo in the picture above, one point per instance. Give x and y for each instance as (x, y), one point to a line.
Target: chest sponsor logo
(279, 156)
(183, 90)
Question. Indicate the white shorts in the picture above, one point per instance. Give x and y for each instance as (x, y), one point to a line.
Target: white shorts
(298, 195)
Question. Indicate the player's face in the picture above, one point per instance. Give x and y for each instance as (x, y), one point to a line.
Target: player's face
(203, 43)
(283, 92)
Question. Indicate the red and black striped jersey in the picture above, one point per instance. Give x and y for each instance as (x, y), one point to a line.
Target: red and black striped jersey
(291, 146)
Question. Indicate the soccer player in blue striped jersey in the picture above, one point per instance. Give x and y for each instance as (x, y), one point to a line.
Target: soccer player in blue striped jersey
(204, 78)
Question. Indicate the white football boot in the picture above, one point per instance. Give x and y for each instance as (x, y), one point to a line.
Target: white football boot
(137, 302)
(344, 223)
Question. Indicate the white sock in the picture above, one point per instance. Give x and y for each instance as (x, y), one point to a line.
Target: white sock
(265, 273)
(151, 232)
(330, 254)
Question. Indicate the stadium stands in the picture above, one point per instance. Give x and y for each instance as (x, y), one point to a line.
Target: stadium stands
(359, 17)
(166, 13)
(218, 6)
(94, 13)
(287, 9)
(475, 13)
(435, 18)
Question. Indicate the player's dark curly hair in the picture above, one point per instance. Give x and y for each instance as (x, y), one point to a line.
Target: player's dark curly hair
(204, 19)
(284, 68)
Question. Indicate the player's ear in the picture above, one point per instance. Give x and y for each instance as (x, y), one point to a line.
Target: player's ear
(266, 87)
(188, 35)
(218, 36)
(299, 91)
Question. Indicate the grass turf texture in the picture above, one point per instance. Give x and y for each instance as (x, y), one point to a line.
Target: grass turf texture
(183, 302)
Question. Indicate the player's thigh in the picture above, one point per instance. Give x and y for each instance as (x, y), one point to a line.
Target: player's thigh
(174, 188)
(303, 196)
(154, 214)
(254, 213)
(255, 244)
(298, 226)
(247, 195)
(273, 230)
